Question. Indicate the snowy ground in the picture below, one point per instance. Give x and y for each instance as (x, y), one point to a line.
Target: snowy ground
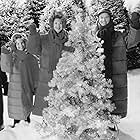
(130, 126)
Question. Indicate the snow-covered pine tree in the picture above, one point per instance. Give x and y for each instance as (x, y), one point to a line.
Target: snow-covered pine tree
(118, 9)
(11, 13)
(34, 9)
(79, 105)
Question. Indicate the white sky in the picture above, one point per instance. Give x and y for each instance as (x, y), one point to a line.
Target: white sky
(130, 4)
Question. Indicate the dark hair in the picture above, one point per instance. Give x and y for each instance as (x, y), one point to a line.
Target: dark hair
(58, 15)
(104, 10)
(32, 25)
(22, 36)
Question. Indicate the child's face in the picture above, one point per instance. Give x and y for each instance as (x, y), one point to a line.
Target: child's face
(57, 25)
(104, 19)
(20, 44)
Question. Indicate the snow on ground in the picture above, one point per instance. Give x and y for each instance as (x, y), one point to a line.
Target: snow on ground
(130, 126)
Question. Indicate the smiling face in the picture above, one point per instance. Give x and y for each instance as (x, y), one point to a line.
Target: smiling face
(104, 19)
(19, 44)
(57, 25)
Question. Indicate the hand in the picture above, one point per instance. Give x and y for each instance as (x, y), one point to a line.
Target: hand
(125, 11)
(5, 50)
(12, 46)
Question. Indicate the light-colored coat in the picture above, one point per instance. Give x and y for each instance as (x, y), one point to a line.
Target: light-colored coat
(22, 83)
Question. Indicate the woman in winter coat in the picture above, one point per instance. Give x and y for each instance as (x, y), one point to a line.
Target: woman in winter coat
(115, 60)
(52, 45)
(23, 78)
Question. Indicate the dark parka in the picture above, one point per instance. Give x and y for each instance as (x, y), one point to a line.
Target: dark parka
(119, 75)
(115, 63)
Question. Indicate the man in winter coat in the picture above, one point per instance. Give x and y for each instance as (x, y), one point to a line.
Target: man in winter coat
(1, 107)
(133, 37)
(3, 81)
(133, 40)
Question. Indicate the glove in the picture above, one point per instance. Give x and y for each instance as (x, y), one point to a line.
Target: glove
(102, 33)
(125, 11)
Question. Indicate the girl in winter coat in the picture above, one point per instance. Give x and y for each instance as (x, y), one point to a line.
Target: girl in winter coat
(52, 45)
(23, 79)
(115, 60)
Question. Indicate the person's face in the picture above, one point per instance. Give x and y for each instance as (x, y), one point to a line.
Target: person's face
(104, 19)
(20, 44)
(57, 25)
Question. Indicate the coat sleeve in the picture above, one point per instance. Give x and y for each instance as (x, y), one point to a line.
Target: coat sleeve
(6, 60)
(69, 49)
(34, 44)
(5, 50)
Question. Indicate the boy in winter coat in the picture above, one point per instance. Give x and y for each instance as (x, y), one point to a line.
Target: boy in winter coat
(23, 79)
